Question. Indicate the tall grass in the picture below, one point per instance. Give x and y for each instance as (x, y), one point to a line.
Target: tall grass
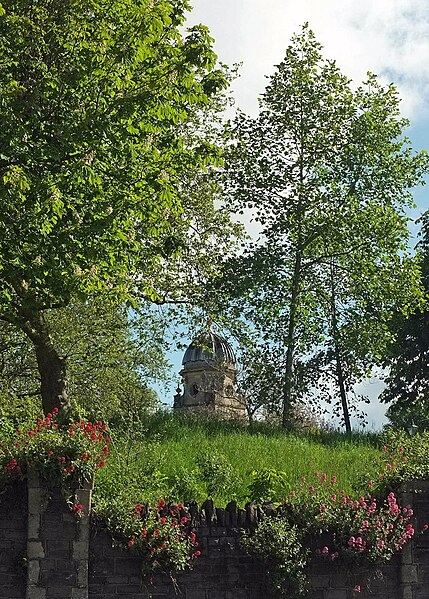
(186, 459)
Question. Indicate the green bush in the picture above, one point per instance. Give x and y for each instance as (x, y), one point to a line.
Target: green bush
(216, 472)
(404, 456)
(268, 484)
(279, 545)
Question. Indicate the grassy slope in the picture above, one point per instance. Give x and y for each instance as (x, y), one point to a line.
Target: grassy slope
(184, 459)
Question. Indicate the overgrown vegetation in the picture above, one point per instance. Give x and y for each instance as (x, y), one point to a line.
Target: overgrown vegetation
(165, 459)
(188, 459)
(112, 158)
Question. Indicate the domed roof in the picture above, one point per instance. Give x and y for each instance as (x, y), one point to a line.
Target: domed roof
(209, 347)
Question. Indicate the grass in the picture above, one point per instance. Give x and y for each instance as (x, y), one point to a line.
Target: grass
(185, 459)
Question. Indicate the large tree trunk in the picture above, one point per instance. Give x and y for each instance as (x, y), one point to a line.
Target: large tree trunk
(290, 354)
(53, 379)
(52, 367)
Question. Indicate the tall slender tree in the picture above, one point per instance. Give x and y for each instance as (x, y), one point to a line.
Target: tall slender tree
(326, 172)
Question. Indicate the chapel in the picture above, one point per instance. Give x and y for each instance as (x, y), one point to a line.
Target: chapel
(209, 379)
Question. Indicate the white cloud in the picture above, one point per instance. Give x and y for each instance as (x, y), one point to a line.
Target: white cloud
(387, 37)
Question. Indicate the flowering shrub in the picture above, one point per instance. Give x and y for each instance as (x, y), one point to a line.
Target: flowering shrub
(162, 535)
(360, 529)
(64, 455)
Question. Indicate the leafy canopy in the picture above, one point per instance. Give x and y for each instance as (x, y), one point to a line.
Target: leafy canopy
(94, 98)
(326, 172)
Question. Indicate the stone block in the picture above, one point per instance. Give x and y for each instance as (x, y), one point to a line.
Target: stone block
(408, 574)
(320, 581)
(51, 579)
(236, 594)
(128, 589)
(58, 549)
(33, 571)
(82, 574)
(35, 592)
(83, 532)
(407, 554)
(35, 550)
(33, 526)
(61, 530)
(83, 496)
(336, 594)
(127, 566)
(407, 592)
(80, 550)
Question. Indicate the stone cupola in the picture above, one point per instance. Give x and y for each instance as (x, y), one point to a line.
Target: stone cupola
(209, 376)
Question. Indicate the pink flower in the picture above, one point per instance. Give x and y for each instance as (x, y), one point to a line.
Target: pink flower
(357, 588)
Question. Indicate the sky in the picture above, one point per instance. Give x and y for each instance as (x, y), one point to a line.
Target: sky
(387, 37)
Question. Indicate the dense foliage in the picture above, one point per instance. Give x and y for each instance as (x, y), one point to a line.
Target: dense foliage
(407, 360)
(97, 99)
(112, 356)
(326, 172)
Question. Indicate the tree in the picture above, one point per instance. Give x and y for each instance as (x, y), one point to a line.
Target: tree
(95, 97)
(111, 355)
(407, 361)
(326, 173)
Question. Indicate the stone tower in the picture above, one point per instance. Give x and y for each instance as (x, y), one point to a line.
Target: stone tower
(209, 376)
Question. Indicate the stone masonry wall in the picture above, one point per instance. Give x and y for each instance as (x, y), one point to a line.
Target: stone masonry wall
(48, 553)
(13, 541)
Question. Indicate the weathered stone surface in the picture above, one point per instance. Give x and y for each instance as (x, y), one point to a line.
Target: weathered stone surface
(60, 565)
